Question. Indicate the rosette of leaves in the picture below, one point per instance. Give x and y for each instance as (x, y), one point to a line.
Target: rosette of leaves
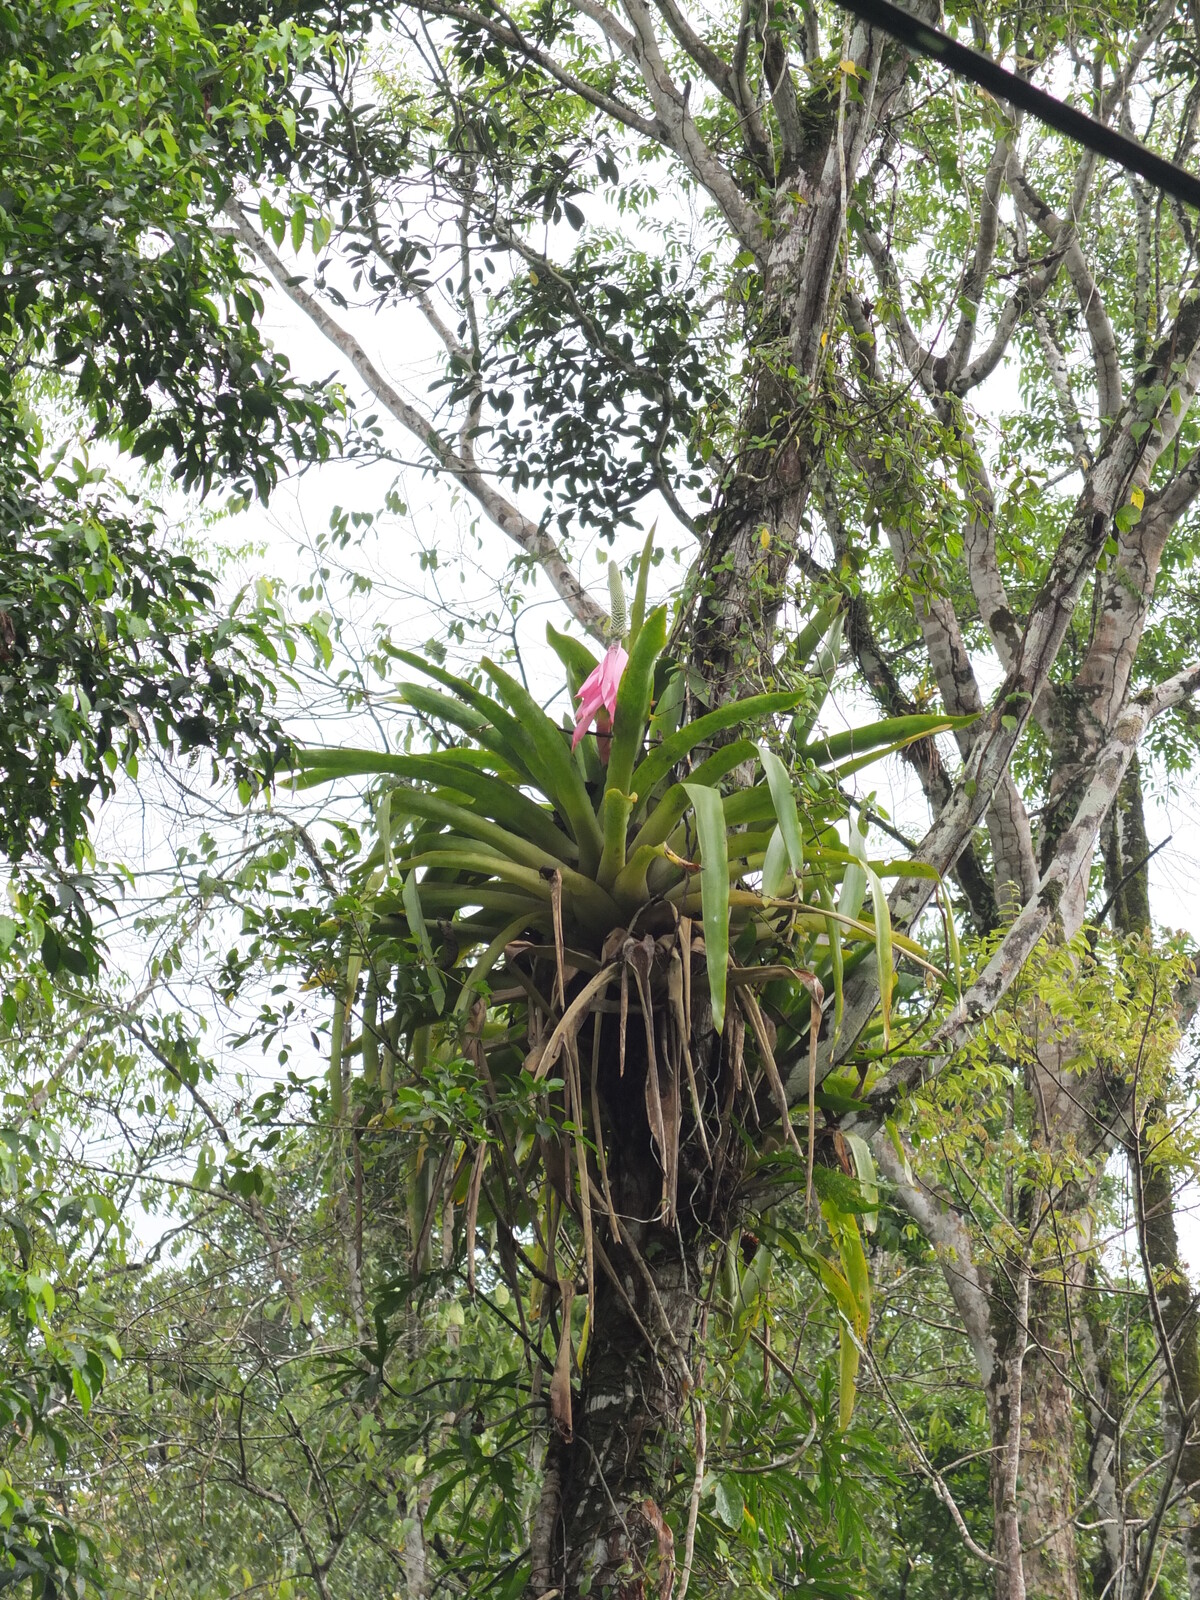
(621, 963)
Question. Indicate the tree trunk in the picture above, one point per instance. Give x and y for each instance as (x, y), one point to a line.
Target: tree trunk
(1047, 1489)
(1178, 1328)
(1032, 1426)
(750, 544)
(1077, 1117)
(610, 1537)
(1126, 853)
(1063, 1238)
(600, 1528)
(1110, 1565)
(1008, 1341)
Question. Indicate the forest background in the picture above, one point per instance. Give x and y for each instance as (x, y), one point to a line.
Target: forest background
(441, 1160)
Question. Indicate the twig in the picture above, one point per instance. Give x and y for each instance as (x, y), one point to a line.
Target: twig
(689, 1543)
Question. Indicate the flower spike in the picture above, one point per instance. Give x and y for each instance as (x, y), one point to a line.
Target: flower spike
(599, 691)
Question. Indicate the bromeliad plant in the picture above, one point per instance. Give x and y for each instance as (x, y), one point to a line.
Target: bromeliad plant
(628, 934)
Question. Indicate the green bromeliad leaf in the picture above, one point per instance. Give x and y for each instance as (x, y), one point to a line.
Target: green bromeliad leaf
(552, 767)
(714, 891)
(416, 921)
(894, 732)
(513, 837)
(784, 800)
(748, 713)
(638, 610)
(633, 700)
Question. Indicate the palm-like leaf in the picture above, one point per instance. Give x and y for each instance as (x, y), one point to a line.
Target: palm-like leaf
(498, 830)
(547, 896)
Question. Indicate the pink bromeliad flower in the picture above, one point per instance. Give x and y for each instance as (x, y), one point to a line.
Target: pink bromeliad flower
(598, 695)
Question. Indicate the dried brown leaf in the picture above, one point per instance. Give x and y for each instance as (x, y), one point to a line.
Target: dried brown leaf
(560, 1383)
(749, 1004)
(666, 1548)
(473, 1210)
(676, 988)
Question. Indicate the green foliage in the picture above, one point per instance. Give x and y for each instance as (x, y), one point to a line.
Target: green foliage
(590, 996)
(554, 975)
(127, 322)
(57, 1345)
(594, 858)
(110, 129)
(112, 640)
(111, 647)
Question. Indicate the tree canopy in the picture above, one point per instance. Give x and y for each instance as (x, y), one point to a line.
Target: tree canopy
(124, 323)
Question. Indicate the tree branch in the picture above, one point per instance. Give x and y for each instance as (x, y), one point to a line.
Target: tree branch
(1072, 858)
(975, 276)
(947, 1233)
(1061, 232)
(531, 539)
(677, 129)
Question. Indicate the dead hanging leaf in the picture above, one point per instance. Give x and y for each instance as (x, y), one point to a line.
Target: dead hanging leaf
(572, 1020)
(638, 955)
(560, 1383)
(598, 1134)
(680, 861)
(666, 1548)
(624, 1014)
(581, 1162)
(550, 1211)
(473, 1211)
(749, 1004)
(432, 1208)
(559, 958)
(672, 1110)
(556, 1163)
(735, 1040)
(816, 994)
(654, 1115)
(676, 989)
(842, 1151)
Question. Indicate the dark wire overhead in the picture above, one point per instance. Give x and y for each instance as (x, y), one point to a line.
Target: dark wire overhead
(1077, 125)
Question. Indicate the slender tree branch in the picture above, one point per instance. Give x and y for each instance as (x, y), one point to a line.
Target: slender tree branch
(531, 539)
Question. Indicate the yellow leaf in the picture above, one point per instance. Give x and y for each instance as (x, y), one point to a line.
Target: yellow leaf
(1138, 497)
(764, 538)
(848, 68)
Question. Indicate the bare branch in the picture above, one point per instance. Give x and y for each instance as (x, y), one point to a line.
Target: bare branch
(1056, 365)
(677, 129)
(531, 539)
(1008, 820)
(1072, 861)
(947, 1233)
(1127, 588)
(613, 30)
(755, 134)
(917, 358)
(501, 27)
(1061, 232)
(781, 87)
(715, 68)
(975, 277)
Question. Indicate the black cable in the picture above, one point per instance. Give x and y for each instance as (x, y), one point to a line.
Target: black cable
(1077, 125)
